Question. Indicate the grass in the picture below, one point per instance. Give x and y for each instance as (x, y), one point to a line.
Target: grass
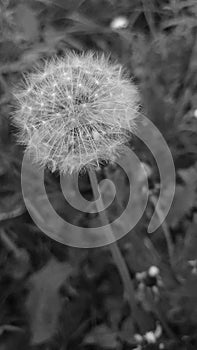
(58, 297)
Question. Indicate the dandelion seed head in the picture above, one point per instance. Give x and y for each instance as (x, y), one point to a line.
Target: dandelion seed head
(75, 110)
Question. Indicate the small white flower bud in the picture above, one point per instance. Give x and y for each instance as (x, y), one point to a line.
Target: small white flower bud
(153, 271)
(150, 337)
(138, 338)
(140, 276)
(158, 331)
(119, 23)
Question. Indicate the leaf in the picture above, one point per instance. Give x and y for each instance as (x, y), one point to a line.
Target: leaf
(179, 21)
(122, 190)
(11, 206)
(185, 196)
(68, 5)
(9, 328)
(138, 256)
(184, 199)
(83, 24)
(128, 331)
(185, 298)
(27, 21)
(189, 289)
(53, 36)
(114, 307)
(19, 265)
(9, 52)
(43, 303)
(190, 248)
(102, 336)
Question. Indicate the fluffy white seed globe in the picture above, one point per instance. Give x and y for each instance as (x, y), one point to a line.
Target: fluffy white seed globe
(75, 110)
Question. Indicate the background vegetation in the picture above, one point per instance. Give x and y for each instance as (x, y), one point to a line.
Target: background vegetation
(56, 297)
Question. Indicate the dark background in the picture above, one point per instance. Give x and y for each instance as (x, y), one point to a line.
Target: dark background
(57, 297)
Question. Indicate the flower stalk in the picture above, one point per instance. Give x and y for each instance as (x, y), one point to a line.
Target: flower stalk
(115, 251)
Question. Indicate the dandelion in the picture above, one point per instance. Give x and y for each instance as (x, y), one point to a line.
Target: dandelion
(75, 110)
(72, 113)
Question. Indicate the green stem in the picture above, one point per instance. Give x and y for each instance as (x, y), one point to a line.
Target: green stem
(115, 251)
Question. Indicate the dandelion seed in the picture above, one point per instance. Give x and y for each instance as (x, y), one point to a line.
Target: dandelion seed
(84, 120)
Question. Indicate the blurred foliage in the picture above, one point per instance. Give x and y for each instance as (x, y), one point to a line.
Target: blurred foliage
(57, 297)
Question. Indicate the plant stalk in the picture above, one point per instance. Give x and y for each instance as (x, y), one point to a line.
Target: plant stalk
(115, 251)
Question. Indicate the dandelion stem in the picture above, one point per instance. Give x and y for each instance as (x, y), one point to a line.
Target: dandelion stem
(115, 251)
